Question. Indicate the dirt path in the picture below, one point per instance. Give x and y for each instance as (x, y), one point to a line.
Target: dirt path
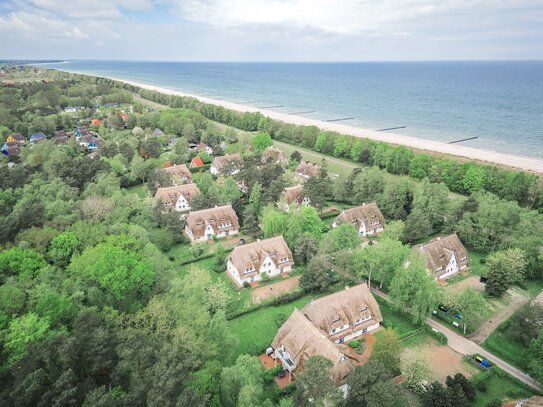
(516, 299)
(444, 361)
(472, 281)
(275, 289)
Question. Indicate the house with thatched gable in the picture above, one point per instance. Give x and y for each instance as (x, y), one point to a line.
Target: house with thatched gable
(177, 197)
(250, 262)
(293, 196)
(220, 221)
(180, 174)
(222, 162)
(323, 326)
(367, 219)
(274, 155)
(445, 255)
(307, 169)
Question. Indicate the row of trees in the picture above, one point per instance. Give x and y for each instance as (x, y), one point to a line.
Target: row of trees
(459, 177)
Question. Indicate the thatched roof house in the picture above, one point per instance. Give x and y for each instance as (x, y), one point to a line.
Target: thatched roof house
(274, 155)
(445, 255)
(180, 174)
(367, 219)
(323, 326)
(219, 221)
(293, 196)
(248, 262)
(343, 314)
(220, 162)
(298, 339)
(177, 197)
(307, 169)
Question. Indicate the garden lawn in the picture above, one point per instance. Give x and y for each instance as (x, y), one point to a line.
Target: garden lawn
(500, 386)
(505, 347)
(139, 190)
(392, 319)
(256, 330)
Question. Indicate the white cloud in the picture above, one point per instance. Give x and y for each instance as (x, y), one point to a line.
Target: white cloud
(343, 16)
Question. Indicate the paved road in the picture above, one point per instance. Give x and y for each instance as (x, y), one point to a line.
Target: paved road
(466, 347)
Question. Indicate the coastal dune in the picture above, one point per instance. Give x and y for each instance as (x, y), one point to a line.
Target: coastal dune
(523, 163)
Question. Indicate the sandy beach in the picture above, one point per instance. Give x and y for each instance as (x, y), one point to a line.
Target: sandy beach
(524, 163)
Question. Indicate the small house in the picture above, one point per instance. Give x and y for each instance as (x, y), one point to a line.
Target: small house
(196, 162)
(16, 138)
(61, 137)
(445, 255)
(293, 196)
(307, 169)
(206, 224)
(157, 132)
(180, 174)
(11, 148)
(249, 262)
(37, 137)
(205, 147)
(81, 132)
(367, 219)
(274, 155)
(229, 160)
(177, 197)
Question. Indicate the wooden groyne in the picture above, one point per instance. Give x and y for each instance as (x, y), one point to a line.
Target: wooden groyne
(392, 128)
(338, 120)
(464, 139)
(307, 111)
(270, 107)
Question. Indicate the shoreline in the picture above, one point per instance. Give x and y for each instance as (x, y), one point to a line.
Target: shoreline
(432, 147)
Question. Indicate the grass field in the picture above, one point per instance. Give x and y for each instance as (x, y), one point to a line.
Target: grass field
(139, 190)
(255, 331)
(506, 348)
(500, 387)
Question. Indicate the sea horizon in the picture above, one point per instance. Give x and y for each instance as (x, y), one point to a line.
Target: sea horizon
(495, 101)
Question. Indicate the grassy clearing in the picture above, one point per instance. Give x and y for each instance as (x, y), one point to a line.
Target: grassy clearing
(256, 330)
(500, 387)
(139, 190)
(501, 345)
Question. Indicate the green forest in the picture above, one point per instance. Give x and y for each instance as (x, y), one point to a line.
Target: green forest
(104, 301)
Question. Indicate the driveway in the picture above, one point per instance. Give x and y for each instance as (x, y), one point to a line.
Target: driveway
(516, 300)
(466, 347)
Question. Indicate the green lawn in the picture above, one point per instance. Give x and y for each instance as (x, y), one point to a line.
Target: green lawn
(499, 386)
(256, 330)
(139, 190)
(505, 347)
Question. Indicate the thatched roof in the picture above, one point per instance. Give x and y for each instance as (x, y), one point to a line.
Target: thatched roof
(344, 307)
(440, 250)
(276, 155)
(198, 220)
(19, 138)
(252, 255)
(170, 195)
(308, 169)
(303, 340)
(293, 194)
(220, 162)
(365, 214)
(179, 173)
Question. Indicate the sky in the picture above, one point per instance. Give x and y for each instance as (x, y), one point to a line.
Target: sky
(272, 30)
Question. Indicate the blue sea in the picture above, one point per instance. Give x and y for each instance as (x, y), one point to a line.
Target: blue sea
(501, 103)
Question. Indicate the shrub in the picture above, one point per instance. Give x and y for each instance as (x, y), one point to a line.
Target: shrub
(288, 297)
(280, 320)
(495, 402)
(246, 284)
(354, 344)
(482, 386)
